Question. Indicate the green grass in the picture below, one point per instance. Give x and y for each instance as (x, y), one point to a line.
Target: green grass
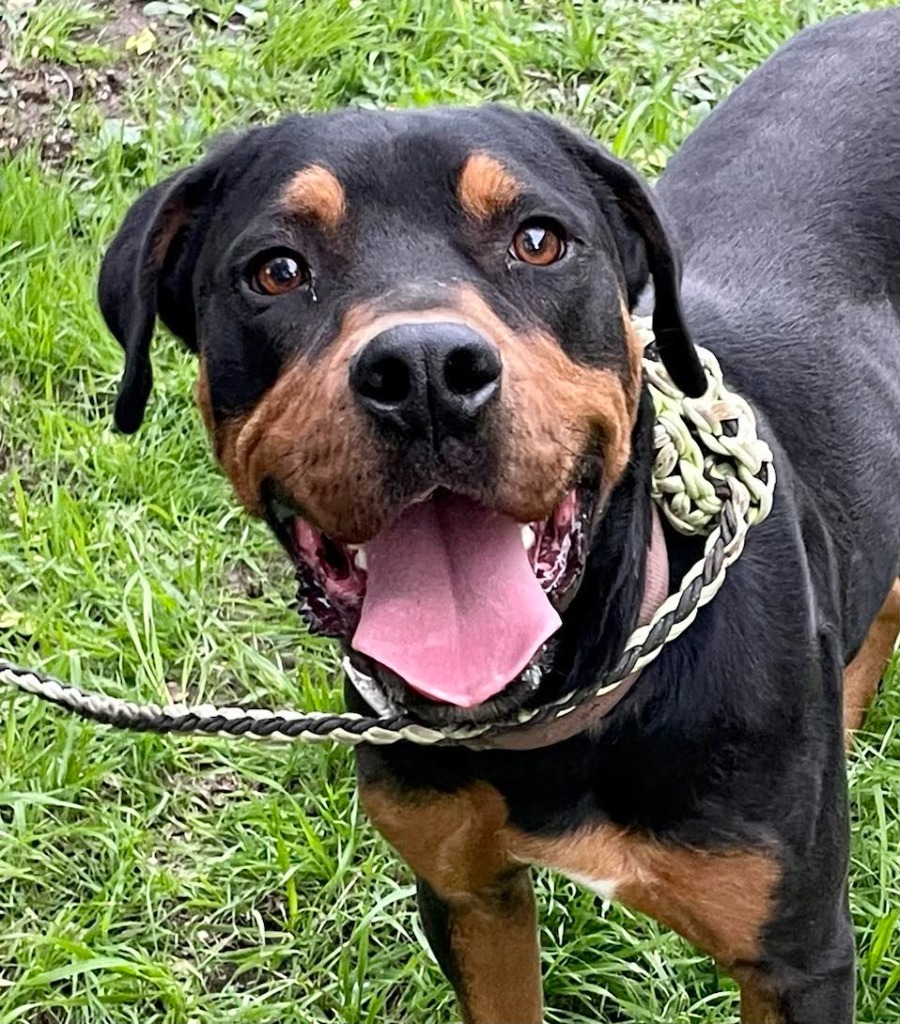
(184, 881)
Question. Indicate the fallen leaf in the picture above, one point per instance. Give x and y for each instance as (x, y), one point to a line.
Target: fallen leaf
(143, 42)
(9, 618)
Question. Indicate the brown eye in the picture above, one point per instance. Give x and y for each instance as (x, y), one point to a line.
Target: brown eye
(280, 275)
(539, 243)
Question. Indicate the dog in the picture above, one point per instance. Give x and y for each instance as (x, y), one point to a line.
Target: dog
(417, 363)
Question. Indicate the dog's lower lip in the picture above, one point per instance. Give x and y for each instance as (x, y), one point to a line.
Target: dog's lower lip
(388, 694)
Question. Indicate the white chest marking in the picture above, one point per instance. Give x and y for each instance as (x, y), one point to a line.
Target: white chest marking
(605, 888)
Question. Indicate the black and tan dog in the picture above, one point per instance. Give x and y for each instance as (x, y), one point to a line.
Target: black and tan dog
(416, 362)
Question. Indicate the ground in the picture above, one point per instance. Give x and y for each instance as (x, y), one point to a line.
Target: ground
(195, 881)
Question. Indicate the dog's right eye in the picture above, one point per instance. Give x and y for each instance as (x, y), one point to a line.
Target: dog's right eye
(538, 242)
(278, 273)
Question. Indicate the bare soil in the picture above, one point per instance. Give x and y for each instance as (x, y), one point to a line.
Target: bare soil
(37, 97)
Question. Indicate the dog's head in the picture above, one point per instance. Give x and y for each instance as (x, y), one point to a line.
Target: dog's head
(416, 363)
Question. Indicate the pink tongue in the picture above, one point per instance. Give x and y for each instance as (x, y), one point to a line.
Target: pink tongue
(452, 605)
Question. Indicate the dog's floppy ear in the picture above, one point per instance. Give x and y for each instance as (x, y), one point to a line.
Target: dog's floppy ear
(148, 272)
(644, 245)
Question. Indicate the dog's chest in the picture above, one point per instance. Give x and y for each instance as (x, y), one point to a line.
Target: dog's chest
(605, 888)
(464, 844)
(597, 859)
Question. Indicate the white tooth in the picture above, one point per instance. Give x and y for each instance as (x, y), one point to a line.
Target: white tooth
(528, 538)
(359, 558)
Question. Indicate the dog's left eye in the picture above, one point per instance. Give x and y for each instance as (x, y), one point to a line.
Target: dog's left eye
(538, 242)
(279, 273)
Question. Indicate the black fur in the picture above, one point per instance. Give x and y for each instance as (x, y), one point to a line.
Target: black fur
(786, 207)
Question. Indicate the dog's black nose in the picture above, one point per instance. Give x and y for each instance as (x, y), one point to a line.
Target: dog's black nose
(425, 378)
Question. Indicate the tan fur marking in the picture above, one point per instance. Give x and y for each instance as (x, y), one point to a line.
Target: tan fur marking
(495, 942)
(454, 840)
(308, 434)
(718, 900)
(173, 220)
(315, 193)
(457, 843)
(863, 674)
(759, 1005)
(486, 188)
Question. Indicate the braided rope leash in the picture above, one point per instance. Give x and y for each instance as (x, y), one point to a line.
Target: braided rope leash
(712, 475)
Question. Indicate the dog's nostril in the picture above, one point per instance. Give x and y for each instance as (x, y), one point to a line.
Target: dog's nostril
(470, 368)
(386, 381)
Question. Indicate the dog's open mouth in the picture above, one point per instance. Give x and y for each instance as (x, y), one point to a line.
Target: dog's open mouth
(452, 600)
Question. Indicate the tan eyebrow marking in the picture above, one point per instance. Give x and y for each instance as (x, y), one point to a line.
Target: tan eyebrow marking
(316, 193)
(485, 187)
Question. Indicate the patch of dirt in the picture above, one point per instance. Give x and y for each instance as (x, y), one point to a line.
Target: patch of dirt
(37, 98)
(29, 101)
(127, 21)
(36, 102)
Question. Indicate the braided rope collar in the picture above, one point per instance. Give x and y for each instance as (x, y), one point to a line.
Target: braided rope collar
(712, 475)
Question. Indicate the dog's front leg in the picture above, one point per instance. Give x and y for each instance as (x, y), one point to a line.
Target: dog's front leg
(476, 900)
(824, 992)
(486, 944)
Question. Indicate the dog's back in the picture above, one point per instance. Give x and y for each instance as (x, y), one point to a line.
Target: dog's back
(787, 205)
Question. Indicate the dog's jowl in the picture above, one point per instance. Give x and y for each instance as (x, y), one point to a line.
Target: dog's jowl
(416, 362)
